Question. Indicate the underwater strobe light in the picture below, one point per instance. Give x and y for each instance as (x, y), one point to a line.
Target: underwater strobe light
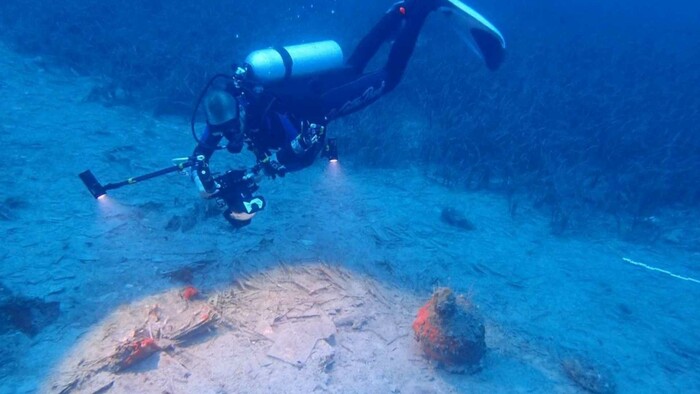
(331, 150)
(92, 184)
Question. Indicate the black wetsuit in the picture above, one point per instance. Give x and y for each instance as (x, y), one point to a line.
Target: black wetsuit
(277, 113)
(274, 118)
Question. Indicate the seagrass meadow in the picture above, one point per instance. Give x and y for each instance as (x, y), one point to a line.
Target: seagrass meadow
(594, 112)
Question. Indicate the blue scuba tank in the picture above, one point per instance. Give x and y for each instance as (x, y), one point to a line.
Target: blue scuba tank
(277, 64)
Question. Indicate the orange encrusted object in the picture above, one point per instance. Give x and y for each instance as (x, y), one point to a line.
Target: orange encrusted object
(132, 352)
(140, 350)
(450, 331)
(423, 327)
(189, 293)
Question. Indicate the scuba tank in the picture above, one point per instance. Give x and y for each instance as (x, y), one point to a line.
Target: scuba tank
(276, 64)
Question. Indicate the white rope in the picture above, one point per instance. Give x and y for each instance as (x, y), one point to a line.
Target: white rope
(660, 270)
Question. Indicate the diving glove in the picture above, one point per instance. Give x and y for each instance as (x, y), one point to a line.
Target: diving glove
(310, 134)
(273, 167)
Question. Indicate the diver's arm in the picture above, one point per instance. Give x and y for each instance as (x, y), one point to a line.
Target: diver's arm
(301, 151)
(201, 175)
(293, 161)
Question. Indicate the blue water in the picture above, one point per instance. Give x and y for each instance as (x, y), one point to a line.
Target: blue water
(578, 162)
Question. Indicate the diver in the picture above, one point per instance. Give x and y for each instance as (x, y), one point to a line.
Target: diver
(283, 98)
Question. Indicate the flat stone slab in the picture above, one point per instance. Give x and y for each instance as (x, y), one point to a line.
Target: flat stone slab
(295, 339)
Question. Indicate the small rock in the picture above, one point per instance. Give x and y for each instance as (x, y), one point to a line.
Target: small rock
(120, 95)
(589, 377)
(324, 355)
(15, 203)
(173, 224)
(674, 236)
(188, 223)
(455, 218)
(56, 290)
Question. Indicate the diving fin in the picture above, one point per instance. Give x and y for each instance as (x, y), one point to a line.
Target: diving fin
(481, 36)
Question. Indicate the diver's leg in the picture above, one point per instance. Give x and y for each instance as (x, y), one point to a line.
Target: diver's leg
(352, 96)
(402, 48)
(366, 88)
(372, 41)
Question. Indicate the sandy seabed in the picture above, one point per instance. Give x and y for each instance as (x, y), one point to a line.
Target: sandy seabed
(319, 293)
